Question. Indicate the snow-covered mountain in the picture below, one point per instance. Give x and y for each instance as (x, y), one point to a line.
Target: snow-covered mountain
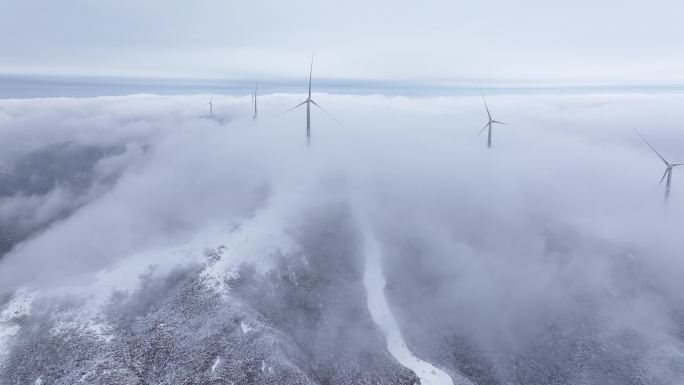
(145, 245)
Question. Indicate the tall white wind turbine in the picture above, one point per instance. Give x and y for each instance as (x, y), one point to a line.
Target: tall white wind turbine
(308, 103)
(254, 99)
(211, 106)
(668, 168)
(490, 122)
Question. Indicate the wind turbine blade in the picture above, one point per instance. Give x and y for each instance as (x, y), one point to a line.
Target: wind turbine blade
(298, 105)
(485, 102)
(496, 121)
(664, 175)
(327, 113)
(482, 130)
(311, 72)
(677, 164)
(649, 145)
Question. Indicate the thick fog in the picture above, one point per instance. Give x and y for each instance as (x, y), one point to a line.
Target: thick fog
(557, 236)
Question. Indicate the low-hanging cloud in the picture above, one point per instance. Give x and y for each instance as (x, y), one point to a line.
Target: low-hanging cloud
(562, 218)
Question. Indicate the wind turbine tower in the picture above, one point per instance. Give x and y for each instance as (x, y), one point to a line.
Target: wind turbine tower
(254, 99)
(211, 106)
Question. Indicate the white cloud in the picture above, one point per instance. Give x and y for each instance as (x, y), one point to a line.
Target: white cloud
(566, 207)
(571, 160)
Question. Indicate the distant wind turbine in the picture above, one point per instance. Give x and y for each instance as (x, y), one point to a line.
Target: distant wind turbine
(211, 106)
(490, 122)
(308, 103)
(254, 99)
(668, 167)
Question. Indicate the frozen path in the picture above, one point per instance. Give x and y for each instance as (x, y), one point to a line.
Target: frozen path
(374, 281)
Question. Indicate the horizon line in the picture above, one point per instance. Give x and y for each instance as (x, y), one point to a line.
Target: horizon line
(44, 85)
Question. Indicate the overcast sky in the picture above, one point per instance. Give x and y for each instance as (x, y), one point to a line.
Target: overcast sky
(528, 41)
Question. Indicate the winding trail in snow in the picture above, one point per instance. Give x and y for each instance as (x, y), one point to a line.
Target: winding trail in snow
(374, 281)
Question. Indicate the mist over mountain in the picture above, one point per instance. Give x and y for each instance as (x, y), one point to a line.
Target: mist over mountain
(50, 183)
(145, 244)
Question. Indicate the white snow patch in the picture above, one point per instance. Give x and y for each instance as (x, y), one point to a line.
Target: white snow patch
(18, 306)
(125, 275)
(39, 381)
(217, 362)
(374, 281)
(122, 276)
(85, 376)
(255, 241)
(245, 328)
(221, 246)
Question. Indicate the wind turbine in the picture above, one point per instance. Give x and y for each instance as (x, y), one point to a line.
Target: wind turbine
(211, 106)
(254, 100)
(490, 122)
(308, 103)
(668, 167)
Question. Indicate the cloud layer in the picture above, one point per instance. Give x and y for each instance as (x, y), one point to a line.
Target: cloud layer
(562, 222)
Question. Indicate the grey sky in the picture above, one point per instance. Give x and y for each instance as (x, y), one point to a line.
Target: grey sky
(525, 41)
